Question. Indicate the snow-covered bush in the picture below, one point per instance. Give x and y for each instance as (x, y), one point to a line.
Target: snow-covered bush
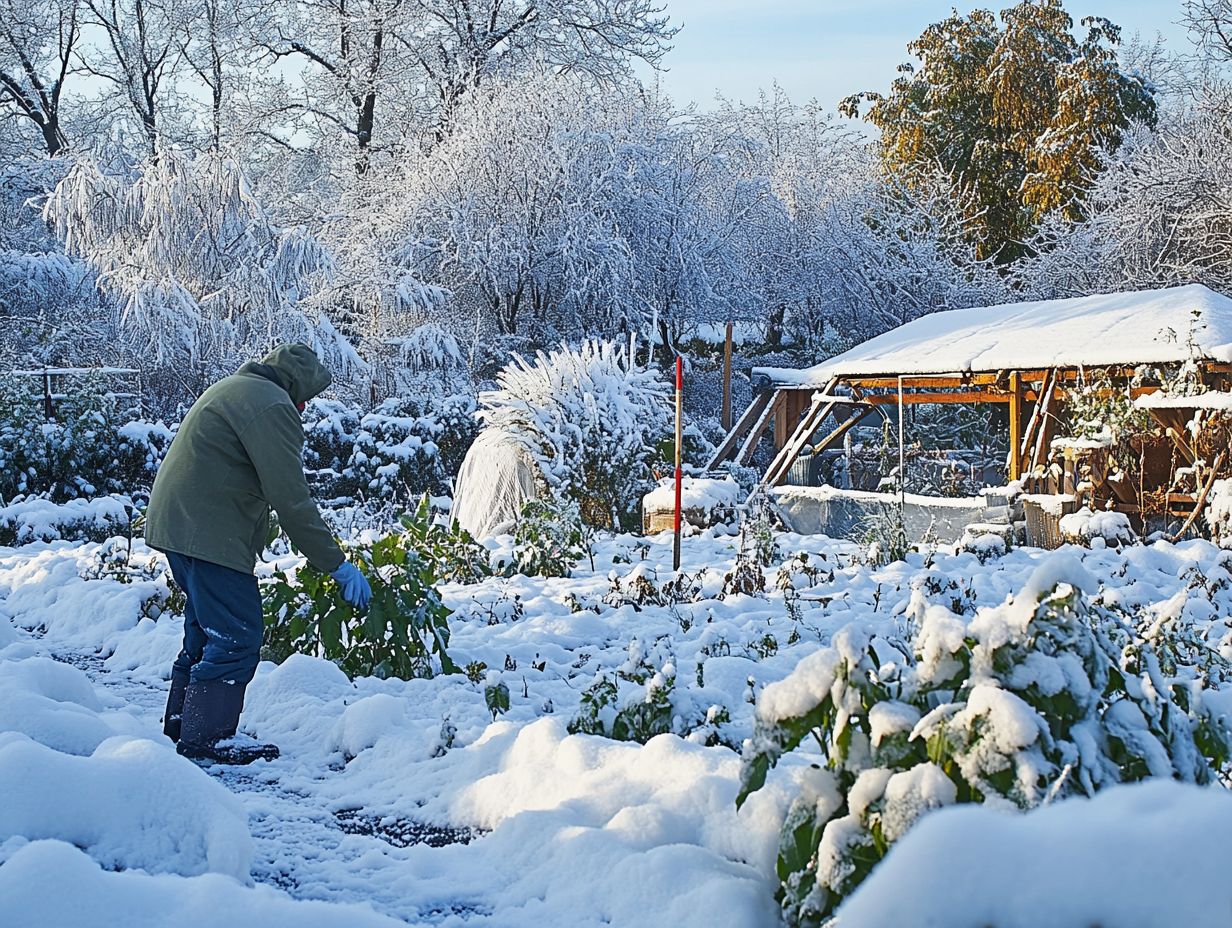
(641, 701)
(550, 538)
(1111, 528)
(1046, 696)
(32, 519)
(400, 450)
(590, 417)
(90, 448)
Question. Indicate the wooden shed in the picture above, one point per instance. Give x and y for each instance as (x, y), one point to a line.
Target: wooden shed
(1028, 356)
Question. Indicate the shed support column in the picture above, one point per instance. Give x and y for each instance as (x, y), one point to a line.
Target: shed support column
(1015, 456)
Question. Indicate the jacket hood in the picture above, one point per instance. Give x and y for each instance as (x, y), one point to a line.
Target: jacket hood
(299, 371)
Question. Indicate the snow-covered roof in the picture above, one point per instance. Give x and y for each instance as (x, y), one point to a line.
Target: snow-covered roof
(1135, 327)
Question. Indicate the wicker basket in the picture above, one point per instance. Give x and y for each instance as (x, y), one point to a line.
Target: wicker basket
(1044, 514)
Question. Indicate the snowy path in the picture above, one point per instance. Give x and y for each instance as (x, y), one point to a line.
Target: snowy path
(301, 846)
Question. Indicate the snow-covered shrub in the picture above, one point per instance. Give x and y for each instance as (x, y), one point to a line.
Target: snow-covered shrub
(398, 451)
(641, 701)
(26, 520)
(90, 448)
(1046, 696)
(591, 418)
(1084, 526)
(550, 538)
(1218, 513)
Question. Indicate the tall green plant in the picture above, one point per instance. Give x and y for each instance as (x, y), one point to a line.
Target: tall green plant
(403, 633)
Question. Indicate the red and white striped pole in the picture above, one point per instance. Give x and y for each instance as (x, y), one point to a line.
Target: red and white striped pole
(679, 442)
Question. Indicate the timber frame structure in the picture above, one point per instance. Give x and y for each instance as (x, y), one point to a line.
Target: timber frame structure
(812, 411)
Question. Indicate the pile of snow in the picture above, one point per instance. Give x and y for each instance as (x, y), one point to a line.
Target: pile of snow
(1152, 854)
(1212, 399)
(132, 804)
(54, 885)
(53, 703)
(702, 494)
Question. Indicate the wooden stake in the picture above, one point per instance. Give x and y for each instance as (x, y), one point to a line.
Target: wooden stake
(679, 442)
(727, 373)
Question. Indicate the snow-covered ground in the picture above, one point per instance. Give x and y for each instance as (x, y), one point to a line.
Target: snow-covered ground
(406, 802)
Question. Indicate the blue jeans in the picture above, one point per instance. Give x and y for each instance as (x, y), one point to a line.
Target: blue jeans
(223, 622)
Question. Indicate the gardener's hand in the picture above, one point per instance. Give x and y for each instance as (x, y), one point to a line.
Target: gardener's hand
(355, 588)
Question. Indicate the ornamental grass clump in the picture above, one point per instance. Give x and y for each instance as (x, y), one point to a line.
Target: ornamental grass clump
(591, 418)
(1047, 696)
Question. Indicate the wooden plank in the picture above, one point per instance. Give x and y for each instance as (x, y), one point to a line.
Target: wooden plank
(776, 477)
(812, 420)
(1015, 461)
(772, 408)
(796, 404)
(729, 443)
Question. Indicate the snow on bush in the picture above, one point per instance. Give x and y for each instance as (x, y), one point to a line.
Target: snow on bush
(1219, 513)
(590, 417)
(1085, 525)
(1046, 696)
(90, 448)
(36, 519)
(396, 452)
(1109, 860)
(131, 804)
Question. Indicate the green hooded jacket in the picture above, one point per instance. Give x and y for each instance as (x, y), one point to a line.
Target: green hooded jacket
(238, 453)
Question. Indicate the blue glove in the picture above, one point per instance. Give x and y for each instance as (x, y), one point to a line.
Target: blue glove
(355, 588)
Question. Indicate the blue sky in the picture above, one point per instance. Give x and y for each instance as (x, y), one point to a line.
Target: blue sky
(829, 48)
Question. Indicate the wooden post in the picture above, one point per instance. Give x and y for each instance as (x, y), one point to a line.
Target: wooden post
(1015, 457)
(679, 442)
(49, 409)
(727, 372)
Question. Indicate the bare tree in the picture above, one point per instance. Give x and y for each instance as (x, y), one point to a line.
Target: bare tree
(1210, 21)
(138, 55)
(37, 40)
(460, 43)
(416, 59)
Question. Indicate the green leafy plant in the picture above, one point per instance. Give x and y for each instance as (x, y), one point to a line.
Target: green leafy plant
(550, 538)
(1047, 696)
(496, 696)
(403, 633)
(454, 555)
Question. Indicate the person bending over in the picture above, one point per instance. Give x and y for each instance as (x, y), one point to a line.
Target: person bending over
(236, 455)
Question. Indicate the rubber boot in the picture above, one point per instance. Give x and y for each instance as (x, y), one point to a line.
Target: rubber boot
(175, 704)
(211, 715)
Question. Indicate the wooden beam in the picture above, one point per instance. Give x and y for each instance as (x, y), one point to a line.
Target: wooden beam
(1015, 460)
(778, 471)
(772, 408)
(980, 379)
(760, 400)
(938, 397)
(1043, 411)
(817, 414)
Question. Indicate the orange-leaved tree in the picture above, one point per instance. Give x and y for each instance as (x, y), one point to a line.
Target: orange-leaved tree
(1013, 109)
